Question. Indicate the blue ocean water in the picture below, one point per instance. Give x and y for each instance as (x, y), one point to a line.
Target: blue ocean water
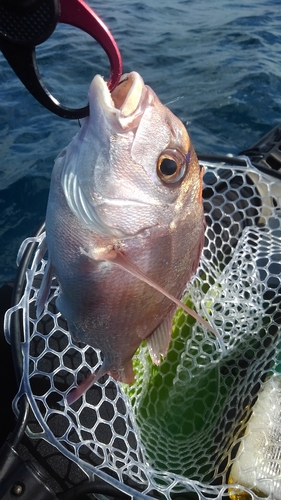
(215, 63)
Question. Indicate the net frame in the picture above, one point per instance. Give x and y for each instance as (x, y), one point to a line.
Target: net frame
(242, 208)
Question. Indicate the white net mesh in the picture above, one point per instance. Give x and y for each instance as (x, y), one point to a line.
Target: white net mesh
(179, 428)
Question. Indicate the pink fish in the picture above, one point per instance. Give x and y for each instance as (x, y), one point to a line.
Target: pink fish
(124, 226)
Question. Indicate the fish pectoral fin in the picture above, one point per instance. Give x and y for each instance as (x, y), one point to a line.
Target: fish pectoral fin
(44, 289)
(118, 258)
(159, 340)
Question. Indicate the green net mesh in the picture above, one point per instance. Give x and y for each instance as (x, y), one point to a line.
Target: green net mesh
(207, 420)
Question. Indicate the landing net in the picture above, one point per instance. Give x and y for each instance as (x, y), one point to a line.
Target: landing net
(181, 426)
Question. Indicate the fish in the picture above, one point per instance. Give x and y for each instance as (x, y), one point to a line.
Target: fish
(124, 226)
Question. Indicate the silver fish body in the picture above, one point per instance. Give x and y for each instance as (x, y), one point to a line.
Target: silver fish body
(125, 194)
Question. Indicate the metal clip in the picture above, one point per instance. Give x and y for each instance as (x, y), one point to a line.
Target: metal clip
(24, 24)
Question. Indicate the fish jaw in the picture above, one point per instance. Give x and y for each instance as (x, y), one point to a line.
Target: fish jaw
(122, 108)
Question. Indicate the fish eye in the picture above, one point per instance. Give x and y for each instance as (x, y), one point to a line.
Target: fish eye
(171, 166)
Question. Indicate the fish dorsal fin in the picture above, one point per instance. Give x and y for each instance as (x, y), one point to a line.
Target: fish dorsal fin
(44, 289)
(121, 260)
(159, 340)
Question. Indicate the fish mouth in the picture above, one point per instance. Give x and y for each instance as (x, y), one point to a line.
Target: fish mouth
(111, 114)
(125, 105)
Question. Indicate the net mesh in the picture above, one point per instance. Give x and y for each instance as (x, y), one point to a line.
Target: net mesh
(181, 426)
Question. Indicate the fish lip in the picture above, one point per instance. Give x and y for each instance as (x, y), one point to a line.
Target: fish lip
(125, 105)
